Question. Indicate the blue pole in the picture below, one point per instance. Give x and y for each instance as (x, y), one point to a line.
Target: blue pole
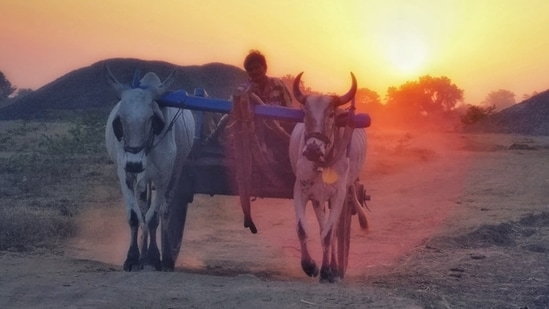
(181, 99)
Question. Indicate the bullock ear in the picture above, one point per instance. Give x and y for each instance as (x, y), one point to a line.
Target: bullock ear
(117, 128)
(158, 122)
(113, 82)
(157, 125)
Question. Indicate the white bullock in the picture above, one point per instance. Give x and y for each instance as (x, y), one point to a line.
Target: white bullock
(147, 142)
(326, 163)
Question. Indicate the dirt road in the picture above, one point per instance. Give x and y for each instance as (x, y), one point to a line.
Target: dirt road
(456, 221)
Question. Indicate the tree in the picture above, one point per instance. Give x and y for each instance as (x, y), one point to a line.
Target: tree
(441, 94)
(368, 100)
(6, 89)
(424, 97)
(476, 113)
(500, 99)
(288, 81)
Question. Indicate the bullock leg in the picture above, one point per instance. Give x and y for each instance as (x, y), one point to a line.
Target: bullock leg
(153, 254)
(173, 236)
(132, 258)
(127, 183)
(307, 263)
(333, 260)
(143, 244)
(168, 264)
(143, 198)
(174, 215)
(149, 251)
(328, 271)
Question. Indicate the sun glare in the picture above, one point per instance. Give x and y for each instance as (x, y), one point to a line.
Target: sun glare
(406, 52)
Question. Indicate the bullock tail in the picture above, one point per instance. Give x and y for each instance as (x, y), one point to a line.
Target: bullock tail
(357, 205)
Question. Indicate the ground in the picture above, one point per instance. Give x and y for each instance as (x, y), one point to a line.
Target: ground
(456, 221)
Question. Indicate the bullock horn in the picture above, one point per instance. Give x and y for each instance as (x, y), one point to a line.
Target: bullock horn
(109, 76)
(167, 82)
(350, 94)
(113, 82)
(170, 79)
(300, 97)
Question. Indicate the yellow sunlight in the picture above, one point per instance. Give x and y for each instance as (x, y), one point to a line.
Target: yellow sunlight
(406, 52)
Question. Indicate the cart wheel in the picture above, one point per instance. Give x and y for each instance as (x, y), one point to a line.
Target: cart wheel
(344, 237)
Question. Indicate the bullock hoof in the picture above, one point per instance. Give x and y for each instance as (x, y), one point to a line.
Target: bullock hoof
(153, 259)
(310, 268)
(155, 262)
(328, 275)
(168, 265)
(132, 265)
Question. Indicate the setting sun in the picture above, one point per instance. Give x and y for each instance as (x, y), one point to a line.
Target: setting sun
(403, 34)
(384, 43)
(406, 52)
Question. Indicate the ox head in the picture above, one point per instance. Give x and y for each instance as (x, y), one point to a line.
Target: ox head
(138, 118)
(320, 119)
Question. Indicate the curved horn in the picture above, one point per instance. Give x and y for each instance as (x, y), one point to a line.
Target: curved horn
(300, 97)
(113, 82)
(350, 94)
(168, 81)
(109, 76)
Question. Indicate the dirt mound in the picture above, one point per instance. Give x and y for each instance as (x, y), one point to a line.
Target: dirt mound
(506, 234)
(528, 117)
(86, 89)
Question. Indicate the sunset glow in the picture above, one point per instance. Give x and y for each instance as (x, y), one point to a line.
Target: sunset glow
(406, 52)
(481, 45)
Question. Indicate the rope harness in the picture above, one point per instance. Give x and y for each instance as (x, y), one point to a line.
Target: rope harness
(150, 142)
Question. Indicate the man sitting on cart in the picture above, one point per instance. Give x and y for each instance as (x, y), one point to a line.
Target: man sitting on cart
(274, 135)
(271, 91)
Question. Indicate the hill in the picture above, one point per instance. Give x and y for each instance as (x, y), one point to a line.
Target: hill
(528, 117)
(86, 89)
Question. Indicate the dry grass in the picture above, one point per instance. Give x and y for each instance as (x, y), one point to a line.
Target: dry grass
(45, 170)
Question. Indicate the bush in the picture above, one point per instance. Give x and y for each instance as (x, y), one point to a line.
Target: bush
(476, 113)
(25, 229)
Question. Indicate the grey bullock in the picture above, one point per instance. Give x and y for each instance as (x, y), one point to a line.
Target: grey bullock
(147, 143)
(327, 161)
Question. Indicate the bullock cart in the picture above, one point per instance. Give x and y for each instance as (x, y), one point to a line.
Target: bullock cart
(234, 159)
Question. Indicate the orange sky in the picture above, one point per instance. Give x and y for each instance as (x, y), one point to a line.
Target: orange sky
(481, 45)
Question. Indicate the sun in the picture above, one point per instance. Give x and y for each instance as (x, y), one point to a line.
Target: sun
(406, 52)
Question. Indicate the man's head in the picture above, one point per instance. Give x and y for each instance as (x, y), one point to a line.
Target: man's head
(256, 65)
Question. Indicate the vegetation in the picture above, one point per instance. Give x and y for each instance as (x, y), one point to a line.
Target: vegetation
(499, 100)
(44, 167)
(429, 102)
(476, 113)
(6, 89)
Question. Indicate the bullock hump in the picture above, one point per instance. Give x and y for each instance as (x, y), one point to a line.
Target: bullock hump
(150, 80)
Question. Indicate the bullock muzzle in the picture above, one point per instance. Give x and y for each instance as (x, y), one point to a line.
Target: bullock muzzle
(313, 152)
(315, 146)
(134, 167)
(134, 160)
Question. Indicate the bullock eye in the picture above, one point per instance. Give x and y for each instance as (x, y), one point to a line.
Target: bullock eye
(331, 114)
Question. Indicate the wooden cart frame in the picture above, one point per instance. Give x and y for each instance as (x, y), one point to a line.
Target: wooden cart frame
(237, 166)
